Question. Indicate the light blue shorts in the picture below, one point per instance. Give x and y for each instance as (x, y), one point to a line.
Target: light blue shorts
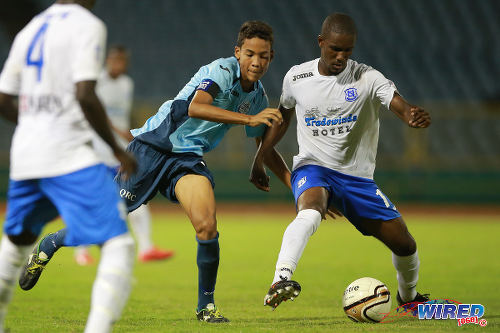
(357, 198)
(87, 200)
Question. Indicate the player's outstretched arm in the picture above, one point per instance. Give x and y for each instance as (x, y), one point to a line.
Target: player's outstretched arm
(414, 116)
(268, 155)
(96, 116)
(201, 107)
(8, 108)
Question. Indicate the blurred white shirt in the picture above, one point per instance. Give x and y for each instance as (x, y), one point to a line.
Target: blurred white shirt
(116, 95)
(59, 47)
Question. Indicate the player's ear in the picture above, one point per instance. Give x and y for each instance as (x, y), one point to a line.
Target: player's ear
(272, 55)
(320, 40)
(237, 52)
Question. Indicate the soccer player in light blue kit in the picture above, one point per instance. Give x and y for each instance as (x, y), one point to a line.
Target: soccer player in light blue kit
(337, 101)
(53, 66)
(170, 145)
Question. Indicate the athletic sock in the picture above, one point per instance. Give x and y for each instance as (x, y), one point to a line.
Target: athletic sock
(294, 241)
(407, 269)
(12, 258)
(208, 263)
(50, 244)
(140, 222)
(112, 284)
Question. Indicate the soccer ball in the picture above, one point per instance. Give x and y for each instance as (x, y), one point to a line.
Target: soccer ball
(366, 300)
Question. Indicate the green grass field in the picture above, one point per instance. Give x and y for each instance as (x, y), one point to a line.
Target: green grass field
(459, 260)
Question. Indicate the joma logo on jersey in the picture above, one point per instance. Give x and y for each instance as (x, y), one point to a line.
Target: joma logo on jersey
(127, 195)
(301, 76)
(351, 94)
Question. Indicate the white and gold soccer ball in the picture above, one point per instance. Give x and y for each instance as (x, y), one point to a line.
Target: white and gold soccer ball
(366, 300)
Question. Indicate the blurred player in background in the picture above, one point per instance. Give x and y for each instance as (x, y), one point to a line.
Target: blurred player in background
(115, 89)
(171, 144)
(53, 67)
(336, 101)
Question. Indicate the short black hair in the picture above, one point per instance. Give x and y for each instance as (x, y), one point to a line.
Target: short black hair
(118, 48)
(339, 23)
(251, 29)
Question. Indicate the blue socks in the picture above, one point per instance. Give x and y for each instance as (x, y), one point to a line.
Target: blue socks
(208, 263)
(51, 243)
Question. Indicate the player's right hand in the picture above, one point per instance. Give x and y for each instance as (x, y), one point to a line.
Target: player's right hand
(259, 178)
(266, 116)
(128, 164)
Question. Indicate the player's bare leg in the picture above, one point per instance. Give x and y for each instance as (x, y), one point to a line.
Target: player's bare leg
(395, 235)
(196, 196)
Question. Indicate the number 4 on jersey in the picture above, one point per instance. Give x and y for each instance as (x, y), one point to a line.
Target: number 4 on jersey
(37, 45)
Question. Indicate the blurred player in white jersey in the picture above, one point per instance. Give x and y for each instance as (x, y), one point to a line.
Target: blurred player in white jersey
(336, 101)
(115, 89)
(53, 67)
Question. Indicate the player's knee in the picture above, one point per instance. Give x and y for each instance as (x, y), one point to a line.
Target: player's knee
(24, 238)
(206, 233)
(406, 248)
(205, 225)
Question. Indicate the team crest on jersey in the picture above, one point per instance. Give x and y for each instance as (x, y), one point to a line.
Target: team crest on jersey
(351, 94)
(244, 107)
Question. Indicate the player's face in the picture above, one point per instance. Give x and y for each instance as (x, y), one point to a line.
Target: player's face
(254, 57)
(117, 63)
(335, 51)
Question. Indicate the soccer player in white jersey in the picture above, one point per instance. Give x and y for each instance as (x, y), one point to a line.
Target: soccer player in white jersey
(53, 67)
(336, 101)
(115, 89)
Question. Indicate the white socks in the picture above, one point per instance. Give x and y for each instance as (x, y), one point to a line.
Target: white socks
(140, 222)
(407, 268)
(12, 258)
(295, 239)
(112, 284)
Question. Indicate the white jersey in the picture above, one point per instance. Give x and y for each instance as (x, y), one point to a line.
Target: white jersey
(59, 47)
(116, 95)
(337, 116)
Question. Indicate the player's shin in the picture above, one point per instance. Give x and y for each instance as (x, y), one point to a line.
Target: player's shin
(12, 257)
(140, 222)
(295, 239)
(50, 244)
(208, 263)
(112, 284)
(407, 269)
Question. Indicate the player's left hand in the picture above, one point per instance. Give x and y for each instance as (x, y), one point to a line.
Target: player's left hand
(419, 118)
(259, 178)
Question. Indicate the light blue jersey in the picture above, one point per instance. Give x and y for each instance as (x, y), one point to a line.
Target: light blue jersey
(172, 130)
